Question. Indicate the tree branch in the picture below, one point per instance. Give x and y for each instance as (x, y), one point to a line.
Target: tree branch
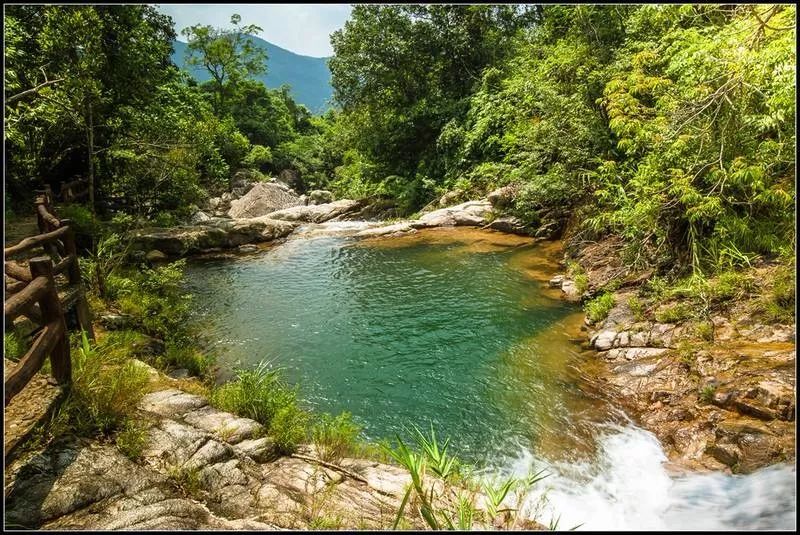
(23, 94)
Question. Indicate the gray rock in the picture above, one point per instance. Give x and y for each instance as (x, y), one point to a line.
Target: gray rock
(171, 402)
(603, 340)
(248, 248)
(199, 217)
(225, 425)
(320, 196)
(510, 225)
(262, 199)
(556, 281)
(570, 291)
(397, 228)
(316, 213)
(471, 213)
(180, 373)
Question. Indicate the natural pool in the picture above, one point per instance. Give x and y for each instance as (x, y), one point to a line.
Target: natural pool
(453, 327)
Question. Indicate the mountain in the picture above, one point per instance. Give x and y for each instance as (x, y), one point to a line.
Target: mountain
(309, 78)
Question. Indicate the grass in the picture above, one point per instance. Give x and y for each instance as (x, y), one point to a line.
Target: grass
(437, 494)
(674, 313)
(14, 346)
(598, 308)
(106, 389)
(637, 308)
(262, 395)
(335, 437)
(187, 479)
(707, 393)
(132, 439)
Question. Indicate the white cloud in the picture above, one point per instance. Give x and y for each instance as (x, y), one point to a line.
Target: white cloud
(302, 28)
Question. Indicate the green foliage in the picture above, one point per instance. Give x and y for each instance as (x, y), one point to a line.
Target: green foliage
(262, 395)
(335, 437)
(105, 391)
(707, 393)
(229, 56)
(14, 346)
(131, 439)
(449, 500)
(675, 313)
(598, 308)
(637, 308)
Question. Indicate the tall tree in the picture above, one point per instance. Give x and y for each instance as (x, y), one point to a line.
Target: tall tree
(229, 56)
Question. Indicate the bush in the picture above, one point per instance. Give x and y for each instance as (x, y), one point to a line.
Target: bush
(598, 308)
(14, 346)
(335, 437)
(262, 395)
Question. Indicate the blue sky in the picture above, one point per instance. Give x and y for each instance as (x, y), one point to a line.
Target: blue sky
(301, 28)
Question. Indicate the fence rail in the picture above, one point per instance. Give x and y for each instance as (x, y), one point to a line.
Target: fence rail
(36, 292)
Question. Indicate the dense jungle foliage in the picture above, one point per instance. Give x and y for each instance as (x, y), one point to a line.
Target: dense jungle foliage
(671, 126)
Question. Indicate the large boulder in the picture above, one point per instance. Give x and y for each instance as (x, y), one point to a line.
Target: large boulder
(317, 213)
(471, 213)
(510, 225)
(262, 199)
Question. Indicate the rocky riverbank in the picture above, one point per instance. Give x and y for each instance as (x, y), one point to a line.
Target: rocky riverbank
(719, 392)
(200, 468)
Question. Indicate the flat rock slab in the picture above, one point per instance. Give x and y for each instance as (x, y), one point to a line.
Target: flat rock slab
(318, 213)
(171, 402)
(224, 425)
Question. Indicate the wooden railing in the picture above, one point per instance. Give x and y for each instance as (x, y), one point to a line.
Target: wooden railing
(35, 291)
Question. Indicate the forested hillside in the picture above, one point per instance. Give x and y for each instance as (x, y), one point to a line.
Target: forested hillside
(670, 126)
(308, 78)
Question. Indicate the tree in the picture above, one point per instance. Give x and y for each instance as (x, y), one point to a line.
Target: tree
(229, 56)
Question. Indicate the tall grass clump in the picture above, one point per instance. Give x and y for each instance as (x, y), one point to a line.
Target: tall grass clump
(106, 389)
(598, 308)
(335, 437)
(262, 395)
(443, 495)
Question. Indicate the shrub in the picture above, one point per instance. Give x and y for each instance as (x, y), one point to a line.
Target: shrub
(598, 308)
(14, 346)
(335, 437)
(705, 330)
(707, 393)
(262, 395)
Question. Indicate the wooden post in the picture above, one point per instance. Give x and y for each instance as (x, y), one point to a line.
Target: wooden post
(60, 362)
(74, 276)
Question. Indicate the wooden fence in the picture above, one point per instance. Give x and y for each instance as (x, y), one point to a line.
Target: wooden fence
(44, 291)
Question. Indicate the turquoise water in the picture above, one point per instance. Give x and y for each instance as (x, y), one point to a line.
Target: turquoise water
(457, 328)
(447, 330)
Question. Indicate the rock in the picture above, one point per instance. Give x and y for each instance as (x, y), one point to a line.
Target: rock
(633, 353)
(247, 248)
(503, 197)
(471, 213)
(397, 228)
(199, 217)
(155, 256)
(303, 199)
(226, 197)
(569, 290)
(510, 225)
(225, 425)
(180, 373)
(259, 449)
(116, 321)
(556, 281)
(244, 180)
(603, 340)
(316, 213)
(262, 199)
(320, 196)
(450, 197)
(289, 177)
(171, 402)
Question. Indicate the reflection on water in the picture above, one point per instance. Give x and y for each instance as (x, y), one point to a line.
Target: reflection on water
(452, 327)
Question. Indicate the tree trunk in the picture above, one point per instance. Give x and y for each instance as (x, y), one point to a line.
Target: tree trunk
(90, 143)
